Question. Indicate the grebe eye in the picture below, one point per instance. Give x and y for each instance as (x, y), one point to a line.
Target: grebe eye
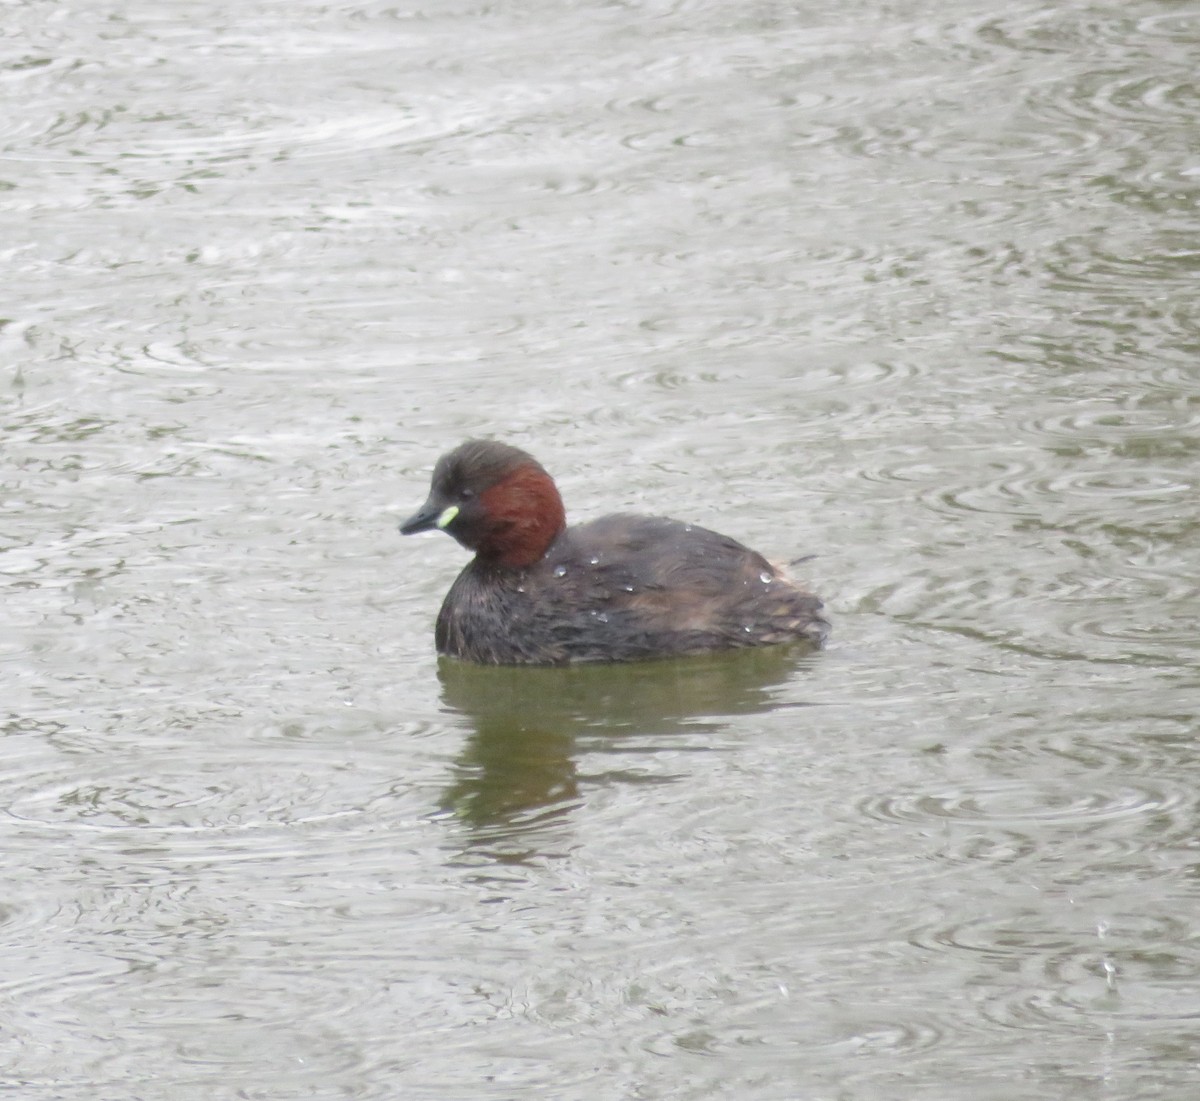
(467, 494)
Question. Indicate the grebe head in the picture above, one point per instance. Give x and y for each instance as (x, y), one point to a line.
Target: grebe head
(494, 499)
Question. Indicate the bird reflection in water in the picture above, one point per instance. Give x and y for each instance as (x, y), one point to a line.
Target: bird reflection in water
(517, 780)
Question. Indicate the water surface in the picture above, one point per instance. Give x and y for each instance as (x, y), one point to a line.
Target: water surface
(909, 286)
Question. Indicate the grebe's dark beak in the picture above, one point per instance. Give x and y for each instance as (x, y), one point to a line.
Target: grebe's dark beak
(424, 519)
(433, 514)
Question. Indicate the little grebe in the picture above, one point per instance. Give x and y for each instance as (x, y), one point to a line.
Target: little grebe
(620, 588)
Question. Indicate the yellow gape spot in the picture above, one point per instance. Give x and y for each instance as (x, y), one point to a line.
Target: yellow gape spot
(447, 516)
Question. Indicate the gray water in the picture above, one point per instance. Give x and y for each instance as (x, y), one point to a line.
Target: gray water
(910, 286)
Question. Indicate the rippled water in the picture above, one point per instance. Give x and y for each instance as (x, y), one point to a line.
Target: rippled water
(910, 285)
